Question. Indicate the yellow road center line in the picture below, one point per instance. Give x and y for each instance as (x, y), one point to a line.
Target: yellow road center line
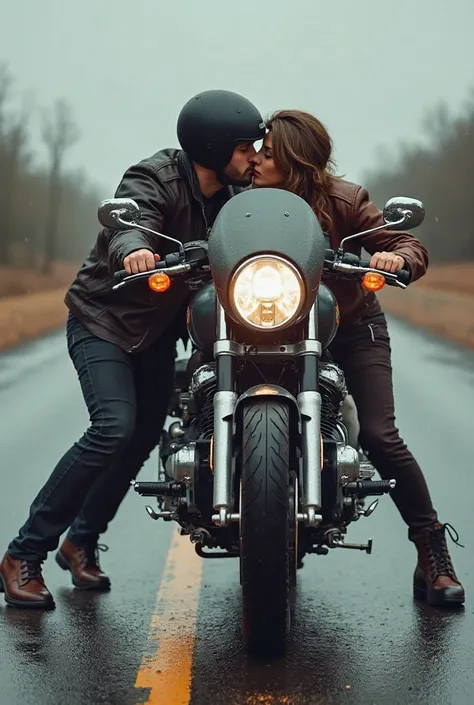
(167, 667)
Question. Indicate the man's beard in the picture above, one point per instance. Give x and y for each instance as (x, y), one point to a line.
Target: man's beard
(229, 177)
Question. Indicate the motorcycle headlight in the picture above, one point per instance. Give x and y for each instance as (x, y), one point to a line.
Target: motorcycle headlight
(267, 292)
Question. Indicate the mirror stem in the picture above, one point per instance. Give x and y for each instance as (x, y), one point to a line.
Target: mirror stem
(132, 225)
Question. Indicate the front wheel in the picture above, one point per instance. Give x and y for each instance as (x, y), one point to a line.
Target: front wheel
(265, 532)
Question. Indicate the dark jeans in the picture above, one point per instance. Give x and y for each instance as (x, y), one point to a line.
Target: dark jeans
(127, 397)
(363, 352)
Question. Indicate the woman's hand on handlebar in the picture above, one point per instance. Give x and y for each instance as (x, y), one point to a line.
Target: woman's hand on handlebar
(347, 264)
(387, 262)
(140, 261)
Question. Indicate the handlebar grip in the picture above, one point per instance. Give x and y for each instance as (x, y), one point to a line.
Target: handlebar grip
(120, 275)
(403, 275)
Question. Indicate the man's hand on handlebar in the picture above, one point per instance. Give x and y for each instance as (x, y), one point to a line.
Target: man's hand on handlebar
(140, 261)
(387, 261)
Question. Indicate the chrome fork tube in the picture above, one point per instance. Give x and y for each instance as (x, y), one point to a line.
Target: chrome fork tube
(309, 402)
(224, 405)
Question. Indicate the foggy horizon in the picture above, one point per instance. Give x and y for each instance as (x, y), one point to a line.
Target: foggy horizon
(368, 71)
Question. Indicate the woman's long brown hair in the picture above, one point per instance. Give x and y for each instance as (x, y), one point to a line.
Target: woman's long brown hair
(302, 150)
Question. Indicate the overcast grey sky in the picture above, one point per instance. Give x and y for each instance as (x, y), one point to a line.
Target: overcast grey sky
(367, 68)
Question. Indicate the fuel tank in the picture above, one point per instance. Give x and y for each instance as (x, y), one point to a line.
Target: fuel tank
(202, 317)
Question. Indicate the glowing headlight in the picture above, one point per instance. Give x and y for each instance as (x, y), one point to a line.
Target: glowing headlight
(267, 292)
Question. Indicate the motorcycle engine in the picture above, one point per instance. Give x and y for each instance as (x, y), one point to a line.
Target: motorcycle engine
(333, 391)
(198, 404)
(203, 387)
(187, 458)
(198, 407)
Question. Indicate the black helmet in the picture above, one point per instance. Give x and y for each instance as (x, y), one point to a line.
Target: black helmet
(213, 122)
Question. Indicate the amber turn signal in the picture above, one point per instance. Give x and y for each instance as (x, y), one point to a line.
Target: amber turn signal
(159, 282)
(373, 281)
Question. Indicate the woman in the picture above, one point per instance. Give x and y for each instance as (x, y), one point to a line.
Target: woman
(296, 155)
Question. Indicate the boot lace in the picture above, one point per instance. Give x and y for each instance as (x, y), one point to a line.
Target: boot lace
(89, 555)
(31, 570)
(438, 553)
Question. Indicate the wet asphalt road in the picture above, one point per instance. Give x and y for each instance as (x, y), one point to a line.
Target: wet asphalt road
(168, 632)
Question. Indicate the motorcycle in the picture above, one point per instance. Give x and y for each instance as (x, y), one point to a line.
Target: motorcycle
(257, 464)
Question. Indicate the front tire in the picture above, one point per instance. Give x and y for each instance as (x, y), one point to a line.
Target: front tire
(265, 525)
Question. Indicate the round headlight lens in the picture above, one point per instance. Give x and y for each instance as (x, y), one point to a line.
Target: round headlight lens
(267, 292)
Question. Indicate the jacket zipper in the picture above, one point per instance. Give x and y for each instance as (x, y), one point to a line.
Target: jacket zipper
(203, 211)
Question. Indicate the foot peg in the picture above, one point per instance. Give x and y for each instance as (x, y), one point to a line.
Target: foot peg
(158, 489)
(365, 488)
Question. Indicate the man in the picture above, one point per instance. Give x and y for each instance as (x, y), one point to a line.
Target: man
(123, 343)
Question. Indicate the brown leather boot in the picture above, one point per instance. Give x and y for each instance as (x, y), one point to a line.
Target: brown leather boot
(23, 584)
(435, 579)
(83, 564)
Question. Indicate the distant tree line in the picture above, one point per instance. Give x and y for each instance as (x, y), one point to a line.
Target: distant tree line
(47, 213)
(439, 173)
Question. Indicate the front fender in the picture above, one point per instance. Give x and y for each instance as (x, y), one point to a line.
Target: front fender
(268, 391)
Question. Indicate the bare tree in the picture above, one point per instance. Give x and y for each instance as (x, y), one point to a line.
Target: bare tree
(60, 132)
(441, 173)
(5, 85)
(30, 196)
(16, 161)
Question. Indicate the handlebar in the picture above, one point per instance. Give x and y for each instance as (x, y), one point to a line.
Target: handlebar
(349, 264)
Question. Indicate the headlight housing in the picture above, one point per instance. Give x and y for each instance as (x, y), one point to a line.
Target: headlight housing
(267, 293)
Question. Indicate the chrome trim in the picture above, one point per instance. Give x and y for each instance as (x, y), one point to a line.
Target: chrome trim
(306, 347)
(221, 322)
(303, 517)
(348, 463)
(181, 465)
(309, 404)
(313, 322)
